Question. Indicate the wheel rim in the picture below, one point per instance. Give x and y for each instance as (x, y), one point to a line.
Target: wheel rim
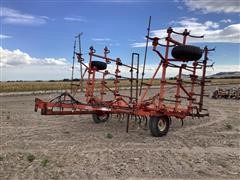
(161, 125)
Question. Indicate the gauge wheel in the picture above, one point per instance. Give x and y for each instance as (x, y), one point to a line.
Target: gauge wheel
(159, 125)
(99, 65)
(187, 52)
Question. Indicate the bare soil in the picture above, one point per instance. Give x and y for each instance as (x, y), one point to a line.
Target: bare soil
(73, 147)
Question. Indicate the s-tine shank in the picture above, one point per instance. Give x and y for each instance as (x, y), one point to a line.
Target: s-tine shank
(136, 78)
(193, 80)
(116, 81)
(179, 82)
(103, 82)
(206, 50)
(131, 81)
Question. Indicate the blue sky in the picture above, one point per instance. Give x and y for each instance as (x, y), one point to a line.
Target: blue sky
(37, 36)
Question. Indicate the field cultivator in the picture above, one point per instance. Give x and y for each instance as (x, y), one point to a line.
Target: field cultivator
(139, 104)
(230, 93)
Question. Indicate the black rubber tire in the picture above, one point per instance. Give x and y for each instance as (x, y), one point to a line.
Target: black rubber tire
(97, 118)
(154, 125)
(187, 52)
(99, 65)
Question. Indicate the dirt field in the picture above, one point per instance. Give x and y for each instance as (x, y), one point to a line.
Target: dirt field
(73, 147)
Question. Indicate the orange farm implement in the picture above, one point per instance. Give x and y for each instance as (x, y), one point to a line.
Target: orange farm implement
(187, 98)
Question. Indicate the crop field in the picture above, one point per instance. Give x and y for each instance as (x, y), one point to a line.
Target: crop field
(61, 85)
(33, 146)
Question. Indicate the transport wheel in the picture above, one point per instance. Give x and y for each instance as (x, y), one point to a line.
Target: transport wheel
(99, 65)
(187, 52)
(159, 125)
(99, 118)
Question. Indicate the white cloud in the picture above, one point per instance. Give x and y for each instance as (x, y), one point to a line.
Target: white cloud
(34, 72)
(114, 44)
(11, 16)
(3, 36)
(101, 39)
(105, 42)
(119, 1)
(18, 58)
(226, 21)
(141, 44)
(18, 65)
(75, 18)
(210, 24)
(210, 30)
(208, 6)
(180, 7)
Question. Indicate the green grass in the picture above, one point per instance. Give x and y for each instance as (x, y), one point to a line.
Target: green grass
(55, 177)
(109, 136)
(228, 126)
(44, 162)
(30, 157)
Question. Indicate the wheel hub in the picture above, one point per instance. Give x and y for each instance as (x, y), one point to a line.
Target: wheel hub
(103, 117)
(161, 125)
